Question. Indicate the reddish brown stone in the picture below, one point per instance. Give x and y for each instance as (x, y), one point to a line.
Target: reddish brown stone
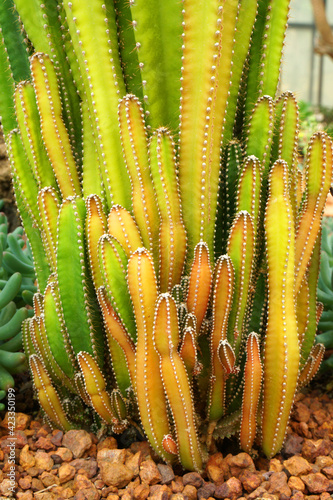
(7, 488)
(250, 480)
(296, 484)
(56, 438)
(322, 462)
(111, 455)
(43, 461)
(149, 472)
(25, 482)
(33, 471)
(115, 474)
(240, 462)
(314, 448)
(35, 424)
(127, 496)
(45, 495)
(64, 454)
(303, 429)
(297, 466)
(177, 485)
(215, 459)
(193, 478)
(215, 474)
(133, 462)
(293, 444)
(81, 482)
(316, 483)
(278, 484)
(78, 441)
(141, 492)
(325, 496)
(87, 494)
(66, 472)
(87, 466)
(159, 492)
(275, 465)
(27, 458)
(22, 421)
(20, 441)
(90, 452)
(48, 479)
(109, 442)
(298, 495)
(301, 412)
(44, 430)
(323, 420)
(206, 491)
(328, 471)
(167, 474)
(45, 443)
(190, 492)
(26, 495)
(142, 446)
(230, 489)
(36, 484)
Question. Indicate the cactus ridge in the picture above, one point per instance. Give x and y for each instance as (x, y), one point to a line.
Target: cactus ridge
(175, 238)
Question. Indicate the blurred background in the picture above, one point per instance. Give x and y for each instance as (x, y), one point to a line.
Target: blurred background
(308, 55)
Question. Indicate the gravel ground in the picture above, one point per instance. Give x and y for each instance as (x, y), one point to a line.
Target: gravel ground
(51, 464)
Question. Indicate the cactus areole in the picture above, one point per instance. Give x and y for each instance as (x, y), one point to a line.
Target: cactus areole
(175, 237)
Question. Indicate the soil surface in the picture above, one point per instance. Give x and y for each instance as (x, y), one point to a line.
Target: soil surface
(50, 464)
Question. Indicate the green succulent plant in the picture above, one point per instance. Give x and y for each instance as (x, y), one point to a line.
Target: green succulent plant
(175, 240)
(17, 287)
(325, 291)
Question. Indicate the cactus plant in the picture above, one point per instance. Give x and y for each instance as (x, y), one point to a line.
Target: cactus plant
(17, 287)
(176, 256)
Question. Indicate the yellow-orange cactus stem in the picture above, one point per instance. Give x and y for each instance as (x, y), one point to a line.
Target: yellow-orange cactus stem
(200, 283)
(176, 382)
(150, 395)
(252, 387)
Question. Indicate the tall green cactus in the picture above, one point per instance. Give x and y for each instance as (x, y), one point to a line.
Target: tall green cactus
(178, 253)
